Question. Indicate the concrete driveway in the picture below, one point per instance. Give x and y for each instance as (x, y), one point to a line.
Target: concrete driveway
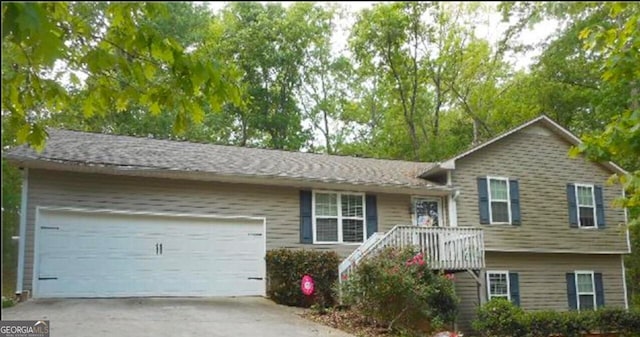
(169, 317)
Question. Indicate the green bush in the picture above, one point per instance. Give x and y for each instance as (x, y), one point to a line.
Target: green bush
(398, 290)
(285, 269)
(500, 317)
(576, 323)
(543, 323)
(7, 302)
(617, 320)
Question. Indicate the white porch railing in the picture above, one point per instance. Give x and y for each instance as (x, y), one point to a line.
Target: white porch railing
(446, 248)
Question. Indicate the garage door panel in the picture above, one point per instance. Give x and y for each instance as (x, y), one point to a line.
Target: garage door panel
(107, 255)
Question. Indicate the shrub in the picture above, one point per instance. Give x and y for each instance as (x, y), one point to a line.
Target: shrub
(576, 323)
(543, 323)
(618, 320)
(500, 318)
(285, 269)
(397, 289)
(7, 302)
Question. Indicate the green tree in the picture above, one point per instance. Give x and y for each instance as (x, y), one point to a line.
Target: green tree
(326, 87)
(597, 93)
(126, 61)
(271, 44)
(620, 45)
(428, 71)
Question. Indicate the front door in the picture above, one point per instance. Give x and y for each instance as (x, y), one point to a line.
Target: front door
(428, 212)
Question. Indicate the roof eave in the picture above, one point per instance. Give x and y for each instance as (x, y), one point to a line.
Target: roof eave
(300, 182)
(450, 164)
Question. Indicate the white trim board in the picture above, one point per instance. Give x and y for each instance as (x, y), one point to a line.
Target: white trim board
(23, 230)
(624, 283)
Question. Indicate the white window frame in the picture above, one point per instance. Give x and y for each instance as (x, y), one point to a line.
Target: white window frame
(489, 178)
(500, 272)
(339, 217)
(593, 287)
(593, 206)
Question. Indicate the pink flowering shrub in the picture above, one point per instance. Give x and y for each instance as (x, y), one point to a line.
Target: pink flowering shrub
(397, 289)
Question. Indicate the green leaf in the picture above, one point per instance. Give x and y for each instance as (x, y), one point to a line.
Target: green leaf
(584, 33)
(73, 78)
(155, 108)
(149, 70)
(88, 107)
(197, 113)
(122, 103)
(180, 123)
(37, 138)
(23, 133)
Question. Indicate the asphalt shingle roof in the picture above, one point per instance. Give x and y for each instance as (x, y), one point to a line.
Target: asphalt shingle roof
(135, 153)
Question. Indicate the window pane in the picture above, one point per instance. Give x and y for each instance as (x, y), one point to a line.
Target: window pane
(585, 197)
(327, 230)
(500, 211)
(586, 302)
(427, 213)
(326, 204)
(498, 189)
(585, 284)
(586, 217)
(352, 230)
(352, 205)
(498, 284)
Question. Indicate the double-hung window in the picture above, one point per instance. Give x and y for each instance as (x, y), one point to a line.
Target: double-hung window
(499, 203)
(339, 217)
(498, 284)
(585, 206)
(585, 290)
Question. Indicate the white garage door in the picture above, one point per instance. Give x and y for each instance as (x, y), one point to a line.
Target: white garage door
(81, 254)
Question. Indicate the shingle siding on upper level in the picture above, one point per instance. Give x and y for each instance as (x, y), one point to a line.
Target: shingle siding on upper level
(538, 159)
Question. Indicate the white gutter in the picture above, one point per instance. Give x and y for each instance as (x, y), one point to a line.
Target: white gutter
(23, 230)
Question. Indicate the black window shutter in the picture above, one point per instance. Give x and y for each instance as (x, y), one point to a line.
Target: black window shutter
(573, 208)
(571, 291)
(597, 192)
(483, 200)
(306, 227)
(599, 289)
(371, 214)
(514, 287)
(514, 193)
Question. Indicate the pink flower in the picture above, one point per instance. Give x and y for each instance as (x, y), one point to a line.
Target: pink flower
(450, 277)
(345, 277)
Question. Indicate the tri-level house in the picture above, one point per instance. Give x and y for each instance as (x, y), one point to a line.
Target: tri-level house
(515, 217)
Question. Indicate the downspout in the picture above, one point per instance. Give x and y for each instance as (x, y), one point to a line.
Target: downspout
(453, 210)
(624, 271)
(23, 230)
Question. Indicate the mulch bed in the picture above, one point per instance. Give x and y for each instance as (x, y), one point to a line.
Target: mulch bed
(347, 320)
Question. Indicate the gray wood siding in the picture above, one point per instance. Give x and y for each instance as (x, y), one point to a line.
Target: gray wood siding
(542, 280)
(279, 205)
(538, 159)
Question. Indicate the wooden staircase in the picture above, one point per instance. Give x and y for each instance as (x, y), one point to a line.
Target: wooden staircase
(444, 248)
